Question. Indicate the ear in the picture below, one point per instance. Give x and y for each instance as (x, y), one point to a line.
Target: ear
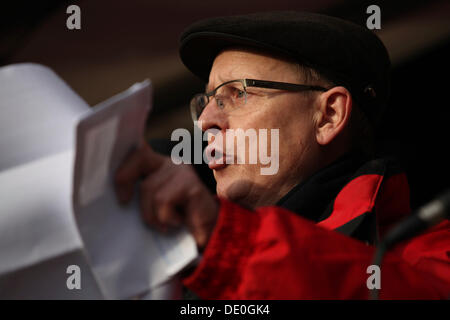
(333, 114)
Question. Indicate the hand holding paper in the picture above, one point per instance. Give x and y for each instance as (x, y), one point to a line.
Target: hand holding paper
(170, 195)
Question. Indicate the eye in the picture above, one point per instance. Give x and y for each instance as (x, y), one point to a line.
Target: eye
(240, 93)
(220, 103)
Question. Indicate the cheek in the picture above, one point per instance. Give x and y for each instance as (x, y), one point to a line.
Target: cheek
(295, 143)
(295, 131)
(296, 139)
(236, 181)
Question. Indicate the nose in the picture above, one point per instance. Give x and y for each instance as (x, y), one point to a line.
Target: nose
(212, 117)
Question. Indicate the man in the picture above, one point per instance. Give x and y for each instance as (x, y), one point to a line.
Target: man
(305, 231)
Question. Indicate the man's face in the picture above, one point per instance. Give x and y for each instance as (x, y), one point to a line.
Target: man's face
(292, 113)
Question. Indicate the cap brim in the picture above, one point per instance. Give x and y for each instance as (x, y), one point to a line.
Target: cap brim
(198, 50)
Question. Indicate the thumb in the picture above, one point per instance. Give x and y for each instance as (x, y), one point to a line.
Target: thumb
(202, 219)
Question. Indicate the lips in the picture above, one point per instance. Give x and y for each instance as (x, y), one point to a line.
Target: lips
(216, 158)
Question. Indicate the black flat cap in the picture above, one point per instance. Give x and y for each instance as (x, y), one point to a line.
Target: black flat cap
(343, 52)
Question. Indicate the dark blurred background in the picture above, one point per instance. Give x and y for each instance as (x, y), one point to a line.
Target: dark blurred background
(124, 42)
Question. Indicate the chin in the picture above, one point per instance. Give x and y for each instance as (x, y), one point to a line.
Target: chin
(235, 187)
(222, 187)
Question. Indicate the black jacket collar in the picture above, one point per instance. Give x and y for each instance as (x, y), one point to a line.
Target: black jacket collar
(311, 198)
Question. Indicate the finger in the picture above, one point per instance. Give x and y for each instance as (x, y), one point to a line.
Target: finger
(201, 217)
(148, 212)
(157, 179)
(147, 196)
(198, 208)
(140, 162)
(199, 230)
(128, 173)
(168, 200)
(169, 216)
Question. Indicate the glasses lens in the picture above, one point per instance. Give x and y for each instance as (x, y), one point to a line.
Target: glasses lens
(231, 96)
(198, 104)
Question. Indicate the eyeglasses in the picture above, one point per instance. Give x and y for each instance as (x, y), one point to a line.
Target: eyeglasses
(232, 95)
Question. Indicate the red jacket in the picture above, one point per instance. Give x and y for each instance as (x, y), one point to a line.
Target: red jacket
(274, 253)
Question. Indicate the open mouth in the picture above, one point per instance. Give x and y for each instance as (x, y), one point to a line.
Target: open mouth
(216, 158)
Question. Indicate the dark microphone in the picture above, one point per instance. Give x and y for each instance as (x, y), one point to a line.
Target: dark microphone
(427, 216)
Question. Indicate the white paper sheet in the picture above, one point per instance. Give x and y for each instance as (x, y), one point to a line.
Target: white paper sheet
(135, 258)
(57, 205)
(38, 114)
(36, 221)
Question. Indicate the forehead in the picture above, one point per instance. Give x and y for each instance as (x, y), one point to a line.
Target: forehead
(238, 63)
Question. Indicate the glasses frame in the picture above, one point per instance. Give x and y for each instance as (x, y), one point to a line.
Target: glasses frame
(266, 84)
